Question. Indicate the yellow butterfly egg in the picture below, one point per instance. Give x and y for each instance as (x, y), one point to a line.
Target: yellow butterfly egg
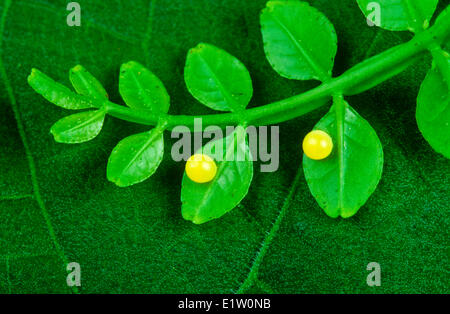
(201, 168)
(317, 145)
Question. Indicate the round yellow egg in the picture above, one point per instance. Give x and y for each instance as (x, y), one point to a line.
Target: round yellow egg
(201, 168)
(317, 145)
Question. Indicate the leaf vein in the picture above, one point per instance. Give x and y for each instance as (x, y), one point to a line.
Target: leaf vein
(21, 129)
(254, 268)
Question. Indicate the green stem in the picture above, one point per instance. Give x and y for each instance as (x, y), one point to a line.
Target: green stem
(301, 104)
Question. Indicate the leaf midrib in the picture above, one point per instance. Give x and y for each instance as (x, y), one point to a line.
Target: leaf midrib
(148, 103)
(31, 163)
(340, 125)
(95, 116)
(92, 91)
(152, 136)
(322, 75)
(233, 104)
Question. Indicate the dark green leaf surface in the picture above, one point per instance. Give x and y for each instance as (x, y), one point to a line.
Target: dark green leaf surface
(217, 79)
(202, 202)
(300, 42)
(401, 15)
(433, 111)
(343, 182)
(57, 205)
(79, 127)
(142, 89)
(136, 158)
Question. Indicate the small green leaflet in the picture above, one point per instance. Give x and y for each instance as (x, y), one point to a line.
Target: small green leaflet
(207, 201)
(136, 158)
(299, 41)
(217, 79)
(399, 15)
(343, 182)
(141, 89)
(433, 111)
(86, 84)
(79, 127)
(57, 93)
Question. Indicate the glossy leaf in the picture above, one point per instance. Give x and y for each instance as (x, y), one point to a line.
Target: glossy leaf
(57, 93)
(136, 158)
(400, 15)
(217, 79)
(433, 111)
(202, 202)
(142, 89)
(79, 127)
(343, 182)
(86, 84)
(299, 41)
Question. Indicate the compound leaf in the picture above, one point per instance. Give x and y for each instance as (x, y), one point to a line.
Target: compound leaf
(136, 158)
(299, 41)
(202, 202)
(217, 79)
(78, 128)
(142, 89)
(399, 15)
(134, 240)
(433, 111)
(343, 182)
(57, 93)
(86, 84)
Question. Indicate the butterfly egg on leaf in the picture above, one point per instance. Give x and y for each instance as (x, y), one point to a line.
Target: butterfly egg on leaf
(201, 168)
(317, 145)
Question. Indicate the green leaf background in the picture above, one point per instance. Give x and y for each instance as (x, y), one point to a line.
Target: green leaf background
(57, 205)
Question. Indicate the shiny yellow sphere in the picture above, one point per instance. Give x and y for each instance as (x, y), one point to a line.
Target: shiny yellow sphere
(317, 145)
(201, 168)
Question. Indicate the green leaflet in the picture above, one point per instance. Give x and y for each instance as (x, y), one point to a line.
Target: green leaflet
(207, 201)
(384, 73)
(136, 158)
(78, 128)
(217, 79)
(343, 182)
(433, 111)
(299, 41)
(141, 89)
(57, 93)
(399, 15)
(86, 84)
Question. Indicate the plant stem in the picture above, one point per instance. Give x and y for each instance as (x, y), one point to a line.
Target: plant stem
(301, 104)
